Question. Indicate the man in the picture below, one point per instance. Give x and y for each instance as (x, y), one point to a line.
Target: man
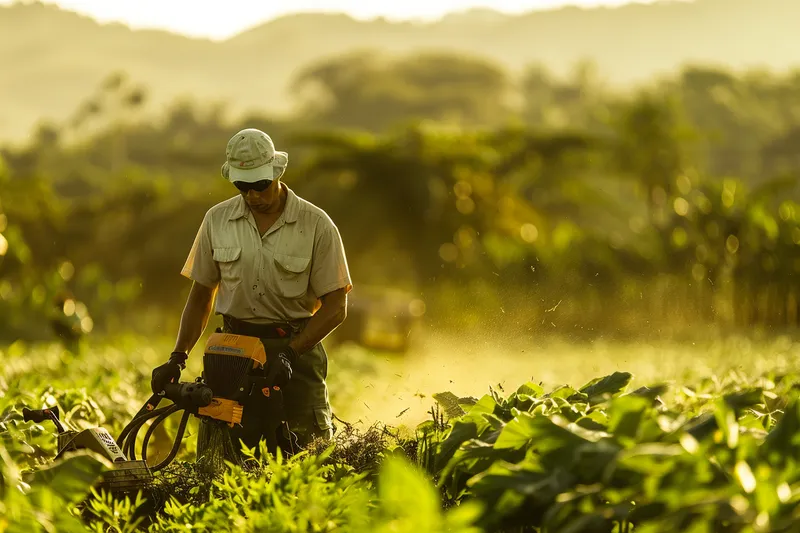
(277, 265)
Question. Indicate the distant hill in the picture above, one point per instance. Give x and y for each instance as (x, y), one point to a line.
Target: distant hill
(51, 59)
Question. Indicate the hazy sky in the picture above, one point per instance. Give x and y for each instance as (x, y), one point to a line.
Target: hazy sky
(218, 19)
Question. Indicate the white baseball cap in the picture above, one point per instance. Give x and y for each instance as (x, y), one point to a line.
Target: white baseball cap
(251, 157)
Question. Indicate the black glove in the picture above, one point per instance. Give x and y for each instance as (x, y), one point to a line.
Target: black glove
(169, 372)
(279, 368)
(289, 353)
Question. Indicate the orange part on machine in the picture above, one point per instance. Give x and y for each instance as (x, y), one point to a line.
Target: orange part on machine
(223, 409)
(237, 346)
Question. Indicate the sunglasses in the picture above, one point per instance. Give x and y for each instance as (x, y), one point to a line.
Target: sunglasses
(258, 186)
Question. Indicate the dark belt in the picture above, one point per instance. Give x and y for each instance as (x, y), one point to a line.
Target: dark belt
(262, 331)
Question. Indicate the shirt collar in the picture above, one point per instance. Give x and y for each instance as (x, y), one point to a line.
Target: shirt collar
(290, 211)
(239, 209)
(292, 208)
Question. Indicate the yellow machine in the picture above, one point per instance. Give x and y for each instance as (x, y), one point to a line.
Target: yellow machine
(229, 345)
(233, 381)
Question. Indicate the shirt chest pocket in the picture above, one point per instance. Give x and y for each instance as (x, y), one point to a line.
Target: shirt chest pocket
(292, 273)
(292, 262)
(230, 265)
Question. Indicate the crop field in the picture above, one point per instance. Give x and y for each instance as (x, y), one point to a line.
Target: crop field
(591, 283)
(456, 436)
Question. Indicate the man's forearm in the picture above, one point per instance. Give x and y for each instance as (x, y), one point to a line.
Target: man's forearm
(324, 321)
(194, 319)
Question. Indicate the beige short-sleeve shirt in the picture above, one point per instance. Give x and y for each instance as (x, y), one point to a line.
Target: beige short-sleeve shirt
(277, 277)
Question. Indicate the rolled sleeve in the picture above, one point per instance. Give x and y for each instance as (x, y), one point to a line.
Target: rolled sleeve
(200, 265)
(329, 270)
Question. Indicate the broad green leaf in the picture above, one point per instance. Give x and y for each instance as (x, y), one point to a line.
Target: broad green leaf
(625, 415)
(524, 402)
(645, 457)
(71, 478)
(590, 460)
(406, 496)
(461, 432)
(520, 431)
(467, 402)
(652, 392)
(494, 422)
(520, 480)
(562, 391)
(571, 412)
(581, 432)
(530, 389)
(450, 404)
(486, 404)
(462, 518)
(545, 434)
(473, 450)
(589, 423)
(607, 386)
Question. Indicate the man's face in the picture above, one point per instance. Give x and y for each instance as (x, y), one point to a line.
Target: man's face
(263, 197)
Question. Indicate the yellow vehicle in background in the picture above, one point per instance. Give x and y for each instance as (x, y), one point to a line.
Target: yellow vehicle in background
(380, 318)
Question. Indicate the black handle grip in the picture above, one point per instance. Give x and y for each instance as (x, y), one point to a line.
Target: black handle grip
(189, 394)
(203, 396)
(39, 415)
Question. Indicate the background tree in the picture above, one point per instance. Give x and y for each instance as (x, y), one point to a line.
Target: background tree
(625, 213)
(373, 92)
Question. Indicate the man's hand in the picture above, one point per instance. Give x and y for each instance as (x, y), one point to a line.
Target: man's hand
(169, 372)
(289, 353)
(279, 369)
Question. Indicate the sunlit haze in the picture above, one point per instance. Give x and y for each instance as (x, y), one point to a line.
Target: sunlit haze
(222, 19)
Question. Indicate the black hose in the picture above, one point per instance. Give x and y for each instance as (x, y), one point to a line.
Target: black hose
(130, 442)
(130, 433)
(138, 421)
(176, 446)
(153, 427)
(135, 433)
(128, 447)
